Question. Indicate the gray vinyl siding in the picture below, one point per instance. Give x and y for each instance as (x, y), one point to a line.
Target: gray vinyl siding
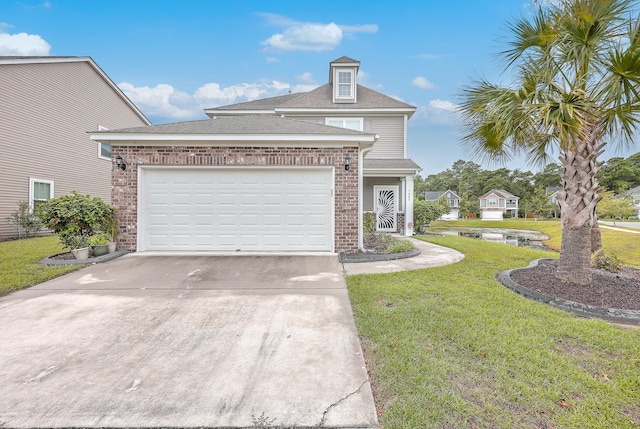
(370, 182)
(45, 113)
(390, 145)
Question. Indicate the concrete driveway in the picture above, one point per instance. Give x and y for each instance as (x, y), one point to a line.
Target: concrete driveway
(185, 341)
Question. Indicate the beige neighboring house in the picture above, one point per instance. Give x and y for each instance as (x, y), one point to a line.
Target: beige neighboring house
(295, 172)
(48, 106)
(498, 203)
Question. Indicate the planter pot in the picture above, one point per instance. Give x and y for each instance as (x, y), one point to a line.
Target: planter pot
(101, 249)
(82, 253)
(112, 247)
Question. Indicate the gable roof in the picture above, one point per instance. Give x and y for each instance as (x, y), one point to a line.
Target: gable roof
(434, 195)
(501, 193)
(237, 128)
(14, 60)
(319, 99)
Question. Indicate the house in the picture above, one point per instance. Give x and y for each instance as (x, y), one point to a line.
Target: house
(497, 204)
(634, 194)
(48, 104)
(295, 172)
(552, 193)
(452, 199)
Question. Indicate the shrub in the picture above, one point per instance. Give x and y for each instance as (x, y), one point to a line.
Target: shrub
(22, 219)
(75, 215)
(607, 263)
(98, 239)
(425, 212)
(400, 246)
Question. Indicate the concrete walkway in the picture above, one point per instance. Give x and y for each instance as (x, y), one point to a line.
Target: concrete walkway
(431, 255)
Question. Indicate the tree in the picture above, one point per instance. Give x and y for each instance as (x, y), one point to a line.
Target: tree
(615, 207)
(537, 202)
(576, 68)
(24, 220)
(425, 212)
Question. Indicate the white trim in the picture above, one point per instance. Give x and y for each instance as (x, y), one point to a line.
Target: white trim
(100, 156)
(32, 181)
(141, 168)
(345, 119)
(405, 136)
(408, 205)
(136, 138)
(361, 154)
(396, 190)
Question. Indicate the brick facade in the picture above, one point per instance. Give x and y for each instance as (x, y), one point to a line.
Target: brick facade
(125, 183)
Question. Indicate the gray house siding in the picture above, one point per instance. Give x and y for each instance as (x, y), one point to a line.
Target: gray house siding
(390, 145)
(46, 111)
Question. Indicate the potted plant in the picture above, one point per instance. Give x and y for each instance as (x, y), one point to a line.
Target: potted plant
(99, 242)
(79, 247)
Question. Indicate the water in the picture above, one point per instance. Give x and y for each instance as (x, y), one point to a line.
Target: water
(513, 237)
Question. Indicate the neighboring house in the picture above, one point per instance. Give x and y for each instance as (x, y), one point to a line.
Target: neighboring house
(634, 194)
(290, 173)
(48, 105)
(552, 192)
(497, 204)
(452, 199)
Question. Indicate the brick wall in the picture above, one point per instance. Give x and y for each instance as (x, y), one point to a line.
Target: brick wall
(125, 183)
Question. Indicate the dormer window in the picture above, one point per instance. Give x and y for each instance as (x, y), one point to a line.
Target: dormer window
(342, 77)
(345, 79)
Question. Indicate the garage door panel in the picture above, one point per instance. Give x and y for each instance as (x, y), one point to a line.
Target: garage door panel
(236, 209)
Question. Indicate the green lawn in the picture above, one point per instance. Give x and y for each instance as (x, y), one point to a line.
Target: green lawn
(19, 267)
(449, 347)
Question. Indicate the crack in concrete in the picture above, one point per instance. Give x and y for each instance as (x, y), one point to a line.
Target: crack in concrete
(344, 398)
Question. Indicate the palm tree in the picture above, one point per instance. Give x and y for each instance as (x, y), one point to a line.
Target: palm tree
(576, 68)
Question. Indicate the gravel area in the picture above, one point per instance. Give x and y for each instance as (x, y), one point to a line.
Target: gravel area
(610, 290)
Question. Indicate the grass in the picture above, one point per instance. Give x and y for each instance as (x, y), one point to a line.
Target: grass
(19, 267)
(449, 347)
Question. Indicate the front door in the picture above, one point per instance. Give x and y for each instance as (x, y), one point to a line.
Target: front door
(386, 208)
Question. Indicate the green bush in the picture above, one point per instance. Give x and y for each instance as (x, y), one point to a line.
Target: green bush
(400, 246)
(25, 221)
(425, 212)
(607, 263)
(75, 215)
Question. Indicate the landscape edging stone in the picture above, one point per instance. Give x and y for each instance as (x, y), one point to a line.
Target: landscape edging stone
(584, 310)
(104, 258)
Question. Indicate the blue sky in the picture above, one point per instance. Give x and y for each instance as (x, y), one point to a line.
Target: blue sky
(174, 58)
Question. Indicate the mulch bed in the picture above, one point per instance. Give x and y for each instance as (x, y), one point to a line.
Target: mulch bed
(610, 290)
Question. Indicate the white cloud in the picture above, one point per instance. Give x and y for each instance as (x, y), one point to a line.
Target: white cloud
(306, 77)
(22, 44)
(443, 105)
(438, 112)
(164, 101)
(423, 83)
(271, 59)
(309, 36)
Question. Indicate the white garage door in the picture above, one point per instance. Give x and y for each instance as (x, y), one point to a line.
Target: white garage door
(236, 208)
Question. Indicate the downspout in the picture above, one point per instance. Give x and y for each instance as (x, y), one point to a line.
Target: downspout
(361, 154)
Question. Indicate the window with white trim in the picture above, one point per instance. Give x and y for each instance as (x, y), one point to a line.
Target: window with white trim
(104, 149)
(345, 79)
(493, 202)
(39, 190)
(348, 123)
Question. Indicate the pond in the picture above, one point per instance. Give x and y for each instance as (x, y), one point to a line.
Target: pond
(514, 237)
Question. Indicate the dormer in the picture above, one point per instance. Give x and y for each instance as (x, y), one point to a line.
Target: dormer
(342, 78)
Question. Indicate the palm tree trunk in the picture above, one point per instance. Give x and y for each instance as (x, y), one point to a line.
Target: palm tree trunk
(596, 236)
(578, 200)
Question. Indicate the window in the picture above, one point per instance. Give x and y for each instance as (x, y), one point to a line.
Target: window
(39, 191)
(104, 150)
(348, 123)
(344, 84)
(493, 202)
